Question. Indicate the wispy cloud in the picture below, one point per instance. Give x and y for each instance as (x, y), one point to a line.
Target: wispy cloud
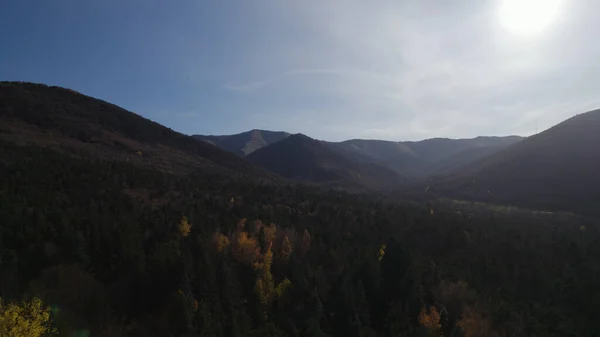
(248, 86)
(257, 85)
(404, 71)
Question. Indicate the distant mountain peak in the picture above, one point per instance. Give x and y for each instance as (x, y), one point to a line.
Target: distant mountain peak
(244, 143)
(302, 158)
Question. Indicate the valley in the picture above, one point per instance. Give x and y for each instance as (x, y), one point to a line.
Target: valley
(123, 227)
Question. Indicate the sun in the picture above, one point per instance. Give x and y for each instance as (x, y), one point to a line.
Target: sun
(528, 17)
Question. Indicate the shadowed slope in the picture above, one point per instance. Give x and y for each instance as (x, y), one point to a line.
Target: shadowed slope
(559, 167)
(302, 158)
(69, 121)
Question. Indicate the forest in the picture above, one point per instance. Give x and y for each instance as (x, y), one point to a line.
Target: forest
(113, 225)
(98, 247)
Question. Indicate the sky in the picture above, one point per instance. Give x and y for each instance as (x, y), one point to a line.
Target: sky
(331, 69)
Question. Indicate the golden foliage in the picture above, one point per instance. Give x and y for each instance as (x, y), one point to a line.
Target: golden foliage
(244, 248)
(271, 231)
(430, 319)
(264, 287)
(474, 324)
(220, 242)
(305, 243)
(285, 250)
(265, 261)
(184, 227)
(25, 319)
(381, 252)
(282, 287)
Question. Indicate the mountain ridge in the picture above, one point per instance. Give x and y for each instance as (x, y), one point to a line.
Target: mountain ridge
(243, 144)
(301, 158)
(68, 121)
(416, 159)
(557, 168)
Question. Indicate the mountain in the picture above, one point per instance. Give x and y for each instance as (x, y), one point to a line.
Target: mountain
(412, 159)
(97, 220)
(302, 158)
(463, 159)
(67, 121)
(437, 149)
(244, 143)
(556, 169)
(422, 158)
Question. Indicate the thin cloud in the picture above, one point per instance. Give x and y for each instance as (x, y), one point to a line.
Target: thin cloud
(401, 71)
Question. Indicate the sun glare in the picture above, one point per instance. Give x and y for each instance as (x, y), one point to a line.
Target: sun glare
(528, 17)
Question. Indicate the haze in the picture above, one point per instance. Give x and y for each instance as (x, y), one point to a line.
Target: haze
(333, 70)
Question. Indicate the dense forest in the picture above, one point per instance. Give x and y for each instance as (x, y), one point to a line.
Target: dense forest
(105, 246)
(117, 250)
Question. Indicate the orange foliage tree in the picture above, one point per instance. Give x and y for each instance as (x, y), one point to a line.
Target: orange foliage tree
(430, 319)
(244, 248)
(220, 242)
(475, 324)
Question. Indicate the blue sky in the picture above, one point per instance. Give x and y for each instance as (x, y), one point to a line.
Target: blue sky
(334, 70)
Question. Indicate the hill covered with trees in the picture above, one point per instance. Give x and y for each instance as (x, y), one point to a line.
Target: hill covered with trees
(105, 246)
(301, 158)
(555, 169)
(245, 143)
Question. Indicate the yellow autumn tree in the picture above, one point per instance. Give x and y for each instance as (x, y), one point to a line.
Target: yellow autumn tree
(220, 242)
(285, 251)
(430, 319)
(381, 252)
(244, 248)
(305, 242)
(24, 319)
(264, 287)
(270, 232)
(184, 226)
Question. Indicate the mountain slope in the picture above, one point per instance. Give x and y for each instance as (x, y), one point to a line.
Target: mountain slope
(301, 158)
(464, 158)
(425, 157)
(436, 149)
(244, 143)
(558, 168)
(68, 121)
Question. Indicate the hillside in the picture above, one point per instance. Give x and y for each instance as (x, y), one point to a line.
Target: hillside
(68, 121)
(244, 143)
(437, 149)
(410, 159)
(115, 244)
(301, 158)
(422, 158)
(558, 168)
(463, 159)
